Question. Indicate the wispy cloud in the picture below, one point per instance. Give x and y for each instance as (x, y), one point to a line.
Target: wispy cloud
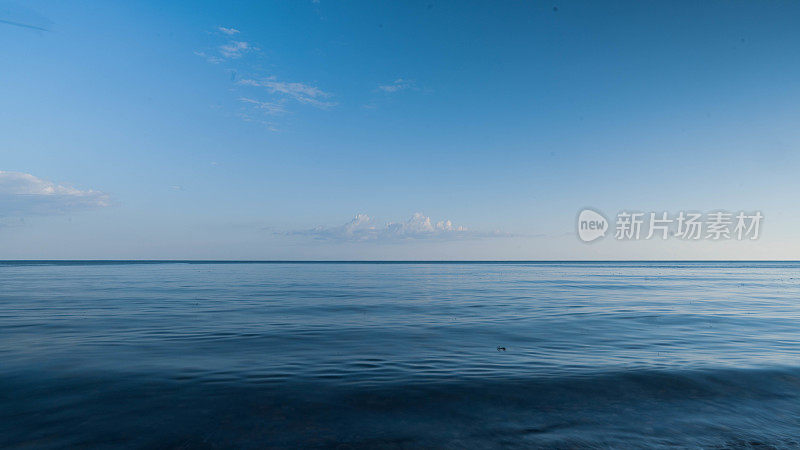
(366, 229)
(235, 49)
(398, 85)
(263, 95)
(271, 108)
(24, 194)
(228, 31)
(210, 58)
(301, 92)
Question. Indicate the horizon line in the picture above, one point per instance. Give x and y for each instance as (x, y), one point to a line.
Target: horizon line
(389, 261)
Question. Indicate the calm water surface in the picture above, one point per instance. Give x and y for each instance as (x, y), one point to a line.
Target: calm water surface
(399, 355)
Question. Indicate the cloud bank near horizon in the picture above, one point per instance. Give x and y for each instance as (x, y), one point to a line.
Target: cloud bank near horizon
(24, 194)
(364, 228)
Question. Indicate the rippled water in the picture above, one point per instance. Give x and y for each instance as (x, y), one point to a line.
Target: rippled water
(399, 355)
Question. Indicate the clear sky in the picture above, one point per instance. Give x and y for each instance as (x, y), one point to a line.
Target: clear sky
(336, 130)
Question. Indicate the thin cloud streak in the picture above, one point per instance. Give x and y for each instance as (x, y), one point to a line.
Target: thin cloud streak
(397, 85)
(301, 92)
(364, 228)
(228, 31)
(267, 107)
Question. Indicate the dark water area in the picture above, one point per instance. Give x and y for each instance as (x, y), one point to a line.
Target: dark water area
(212, 355)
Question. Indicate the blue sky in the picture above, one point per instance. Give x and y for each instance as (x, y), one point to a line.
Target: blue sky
(259, 130)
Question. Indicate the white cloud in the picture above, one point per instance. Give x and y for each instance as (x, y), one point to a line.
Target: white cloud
(365, 229)
(273, 97)
(300, 92)
(397, 85)
(235, 49)
(210, 58)
(267, 107)
(228, 31)
(23, 193)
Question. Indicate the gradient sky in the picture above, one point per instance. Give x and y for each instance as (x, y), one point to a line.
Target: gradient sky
(258, 130)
